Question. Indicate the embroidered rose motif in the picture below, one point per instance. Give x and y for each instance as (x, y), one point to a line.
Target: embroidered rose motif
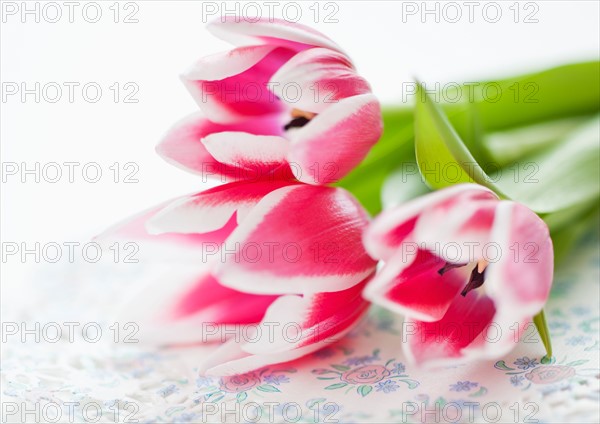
(367, 374)
(547, 374)
(239, 383)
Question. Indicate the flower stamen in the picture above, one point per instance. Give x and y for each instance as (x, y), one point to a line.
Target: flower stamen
(448, 267)
(299, 119)
(475, 280)
(296, 123)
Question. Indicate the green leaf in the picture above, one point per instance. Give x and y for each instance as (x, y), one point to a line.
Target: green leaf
(482, 391)
(565, 176)
(321, 371)
(268, 388)
(576, 363)
(509, 146)
(241, 396)
(364, 390)
(542, 327)
(219, 392)
(412, 384)
(474, 120)
(336, 386)
(218, 398)
(341, 367)
(555, 93)
(442, 157)
(440, 401)
(311, 404)
(501, 365)
(568, 174)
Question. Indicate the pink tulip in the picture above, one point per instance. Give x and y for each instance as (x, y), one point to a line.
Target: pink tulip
(284, 255)
(303, 243)
(468, 270)
(287, 101)
(172, 309)
(295, 265)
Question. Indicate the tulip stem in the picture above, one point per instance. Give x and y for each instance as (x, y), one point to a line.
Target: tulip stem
(542, 327)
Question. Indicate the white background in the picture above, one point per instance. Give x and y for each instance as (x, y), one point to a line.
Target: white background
(388, 47)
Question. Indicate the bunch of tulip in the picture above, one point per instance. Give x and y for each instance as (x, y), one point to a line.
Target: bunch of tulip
(288, 254)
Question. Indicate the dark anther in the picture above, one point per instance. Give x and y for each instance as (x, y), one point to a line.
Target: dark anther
(448, 267)
(475, 280)
(297, 123)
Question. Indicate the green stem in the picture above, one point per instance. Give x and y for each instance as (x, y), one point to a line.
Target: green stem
(538, 98)
(542, 327)
(474, 119)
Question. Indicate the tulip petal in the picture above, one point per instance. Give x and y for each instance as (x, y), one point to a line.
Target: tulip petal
(260, 154)
(182, 247)
(227, 64)
(321, 76)
(336, 140)
(230, 359)
(303, 320)
(448, 340)
(394, 226)
(211, 209)
(410, 283)
(190, 308)
(233, 86)
(522, 276)
(300, 239)
(183, 147)
(238, 30)
(467, 217)
(292, 327)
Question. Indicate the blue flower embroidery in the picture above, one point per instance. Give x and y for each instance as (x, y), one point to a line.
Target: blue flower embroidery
(167, 391)
(577, 341)
(203, 381)
(399, 368)
(463, 386)
(525, 363)
(360, 360)
(517, 380)
(387, 386)
(276, 379)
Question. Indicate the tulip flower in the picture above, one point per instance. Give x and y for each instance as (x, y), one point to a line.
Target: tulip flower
(469, 271)
(295, 267)
(304, 243)
(286, 101)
